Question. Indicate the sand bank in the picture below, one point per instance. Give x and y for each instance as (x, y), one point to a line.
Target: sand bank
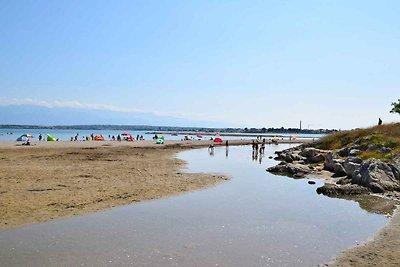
(52, 180)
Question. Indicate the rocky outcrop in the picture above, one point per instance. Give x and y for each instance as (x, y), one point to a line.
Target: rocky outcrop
(357, 176)
(377, 175)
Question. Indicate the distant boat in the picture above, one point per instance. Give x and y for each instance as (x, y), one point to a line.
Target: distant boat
(174, 134)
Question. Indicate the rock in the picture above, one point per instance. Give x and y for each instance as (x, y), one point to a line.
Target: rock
(310, 152)
(288, 158)
(334, 165)
(377, 175)
(270, 157)
(376, 188)
(296, 170)
(344, 152)
(347, 189)
(354, 152)
(316, 159)
(311, 182)
(297, 157)
(351, 168)
(354, 160)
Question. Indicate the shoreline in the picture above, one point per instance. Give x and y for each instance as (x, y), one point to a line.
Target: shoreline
(139, 144)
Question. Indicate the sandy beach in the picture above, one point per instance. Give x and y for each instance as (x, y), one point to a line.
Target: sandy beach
(51, 180)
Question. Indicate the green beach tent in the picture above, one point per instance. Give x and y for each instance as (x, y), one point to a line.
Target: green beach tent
(51, 138)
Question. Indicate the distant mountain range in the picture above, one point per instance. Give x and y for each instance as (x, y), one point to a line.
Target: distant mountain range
(44, 116)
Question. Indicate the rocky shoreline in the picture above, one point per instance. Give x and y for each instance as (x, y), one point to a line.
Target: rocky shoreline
(348, 174)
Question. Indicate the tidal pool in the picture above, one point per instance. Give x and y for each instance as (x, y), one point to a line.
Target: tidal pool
(254, 219)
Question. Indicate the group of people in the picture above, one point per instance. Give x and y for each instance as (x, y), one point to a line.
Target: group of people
(258, 149)
(119, 137)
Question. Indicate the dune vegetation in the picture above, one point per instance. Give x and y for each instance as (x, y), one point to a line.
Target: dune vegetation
(381, 142)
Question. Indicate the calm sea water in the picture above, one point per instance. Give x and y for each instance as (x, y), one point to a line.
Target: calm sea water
(65, 135)
(255, 219)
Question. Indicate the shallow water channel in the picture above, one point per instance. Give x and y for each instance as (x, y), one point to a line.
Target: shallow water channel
(254, 219)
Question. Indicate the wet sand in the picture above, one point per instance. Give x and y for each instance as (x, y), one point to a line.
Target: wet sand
(381, 250)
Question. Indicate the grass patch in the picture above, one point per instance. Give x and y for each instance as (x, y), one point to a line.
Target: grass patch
(371, 141)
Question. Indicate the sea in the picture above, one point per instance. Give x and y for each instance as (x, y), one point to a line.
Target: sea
(11, 134)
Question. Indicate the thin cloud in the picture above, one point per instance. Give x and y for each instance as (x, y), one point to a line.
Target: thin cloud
(91, 106)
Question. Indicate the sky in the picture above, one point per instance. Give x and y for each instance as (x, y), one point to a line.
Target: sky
(331, 64)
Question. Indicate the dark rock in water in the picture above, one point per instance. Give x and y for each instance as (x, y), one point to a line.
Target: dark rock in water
(270, 157)
(348, 189)
(297, 170)
(311, 182)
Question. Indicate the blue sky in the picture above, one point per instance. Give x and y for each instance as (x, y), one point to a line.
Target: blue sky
(331, 64)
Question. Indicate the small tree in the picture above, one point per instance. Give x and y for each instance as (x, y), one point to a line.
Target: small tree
(396, 107)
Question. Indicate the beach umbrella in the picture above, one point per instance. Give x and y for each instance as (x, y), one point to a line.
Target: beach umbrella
(126, 134)
(22, 138)
(218, 140)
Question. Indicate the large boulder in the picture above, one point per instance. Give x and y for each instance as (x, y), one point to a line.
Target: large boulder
(334, 165)
(310, 152)
(352, 165)
(293, 169)
(316, 159)
(377, 175)
(347, 189)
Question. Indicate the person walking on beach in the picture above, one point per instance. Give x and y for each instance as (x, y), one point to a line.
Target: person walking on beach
(40, 137)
